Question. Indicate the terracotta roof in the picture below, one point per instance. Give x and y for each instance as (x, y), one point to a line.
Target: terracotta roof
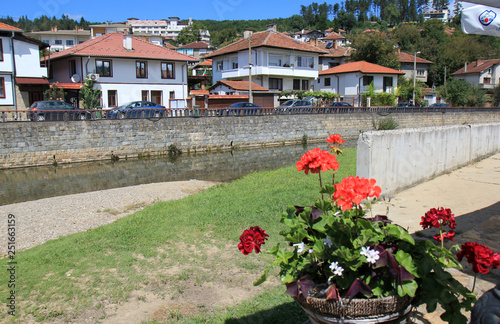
(266, 39)
(71, 32)
(449, 31)
(335, 52)
(199, 92)
(111, 45)
(333, 36)
(21, 80)
(408, 58)
(329, 30)
(4, 26)
(240, 85)
(168, 45)
(196, 45)
(477, 66)
(228, 97)
(370, 31)
(360, 66)
(69, 86)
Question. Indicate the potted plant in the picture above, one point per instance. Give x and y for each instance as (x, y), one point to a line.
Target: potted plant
(340, 265)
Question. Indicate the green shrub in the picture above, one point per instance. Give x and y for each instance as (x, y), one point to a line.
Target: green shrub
(385, 123)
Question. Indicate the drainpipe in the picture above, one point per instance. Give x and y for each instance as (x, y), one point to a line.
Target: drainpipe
(13, 73)
(87, 67)
(183, 92)
(359, 91)
(338, 86)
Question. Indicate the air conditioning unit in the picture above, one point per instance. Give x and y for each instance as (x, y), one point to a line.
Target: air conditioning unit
(94, 77)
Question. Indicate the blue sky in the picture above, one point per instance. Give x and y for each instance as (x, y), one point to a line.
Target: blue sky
(102, 10)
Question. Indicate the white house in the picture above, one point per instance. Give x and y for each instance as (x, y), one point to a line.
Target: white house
(197, 49)
(23, 78)
(278, 61)
(442, 15)
(484, 73)
(61, 39)
(126, 69)
(412, 64)
(351, 80)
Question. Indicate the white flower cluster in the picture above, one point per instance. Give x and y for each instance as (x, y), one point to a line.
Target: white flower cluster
(371, 255)
(337, 270)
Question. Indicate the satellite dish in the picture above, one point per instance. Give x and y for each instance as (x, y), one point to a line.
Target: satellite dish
(75, 78)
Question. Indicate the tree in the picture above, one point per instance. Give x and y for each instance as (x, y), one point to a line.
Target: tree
(407, 37)
(375, 48)
(54, 93)
(90, 97)
(457, 92)
(440, 4)
(477, 97)
(190, 33)
(496, 96)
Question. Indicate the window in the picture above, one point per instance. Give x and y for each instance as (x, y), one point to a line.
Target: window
(172, 94)
(58, 42)
(296, 84)
(2, 88)
(69, 43)
(234, 62)
(421, 72)
(486, 80)
(220, 65)
(156, 96)
(141, 69)
(80, 42)
(167, 70)
(71, 68)
(1, 51)
(328, 82)
(275, 60)
(333, 64)
(203, 50)
(112, 98)
(46, 41)
(387, 84)
(305, 84)
(275, 84)
(145, 95)
(305, 61)
(367, 79)
(103, 68)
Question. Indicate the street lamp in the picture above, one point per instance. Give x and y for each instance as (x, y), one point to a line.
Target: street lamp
(414, 74)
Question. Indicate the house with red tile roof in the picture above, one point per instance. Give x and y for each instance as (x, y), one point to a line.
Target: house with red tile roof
(125, 69)
(351, 80)
(484, 73)
(23, 78)
(279, 62)
(197, 49)
(407, 65)
(334, 55)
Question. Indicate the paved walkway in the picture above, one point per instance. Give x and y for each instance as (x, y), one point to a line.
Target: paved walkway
(473, 195)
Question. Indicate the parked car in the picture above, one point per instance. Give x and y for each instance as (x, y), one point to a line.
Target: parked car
(241, 108)
(405, 104)
(56, 110)
(439, 105)
(341, 104)
(294, 105)
(137, 109)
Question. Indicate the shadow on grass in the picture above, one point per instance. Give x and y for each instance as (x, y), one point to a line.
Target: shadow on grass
(287, 313)
(481, 226)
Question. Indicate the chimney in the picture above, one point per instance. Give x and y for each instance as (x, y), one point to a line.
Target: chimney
(272, 28)
(55, 28)
(479, 62)
(127, 42)
(247, 33)
(465, 67)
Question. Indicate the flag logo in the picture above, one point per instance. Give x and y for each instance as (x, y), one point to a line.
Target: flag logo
(487, 17)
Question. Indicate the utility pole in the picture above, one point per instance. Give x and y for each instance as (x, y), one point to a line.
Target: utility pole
(250, 97)
(414, 74)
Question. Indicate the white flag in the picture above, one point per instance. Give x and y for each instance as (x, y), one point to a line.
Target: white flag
(482, 20)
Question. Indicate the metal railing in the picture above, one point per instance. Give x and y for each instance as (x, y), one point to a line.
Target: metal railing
(104, 114)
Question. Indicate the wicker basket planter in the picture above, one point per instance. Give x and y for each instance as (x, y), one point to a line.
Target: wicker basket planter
(392, 309)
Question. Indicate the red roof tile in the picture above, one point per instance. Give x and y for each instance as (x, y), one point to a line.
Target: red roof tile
(228, 97)
(360, 66)
(477, 66)
(111, 45)
(333, 36)
(205, 63)
(196, 45)
(21, 80)
(408, 58)
(240, 85)
(266, 39)
(8, 27)
(340, 51)
(199, 92)
(69, 86)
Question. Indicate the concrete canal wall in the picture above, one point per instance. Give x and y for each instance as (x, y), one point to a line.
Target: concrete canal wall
(401, 158)
(42, 143)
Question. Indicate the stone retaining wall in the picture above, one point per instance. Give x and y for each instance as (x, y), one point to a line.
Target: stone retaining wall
(42, 143)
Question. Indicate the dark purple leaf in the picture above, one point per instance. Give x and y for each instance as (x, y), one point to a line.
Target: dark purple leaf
(298, 210)
(380, 219)
(358, 287)
(299, 287)
(315, 214)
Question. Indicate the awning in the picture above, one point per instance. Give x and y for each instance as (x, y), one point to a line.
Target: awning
(480, 19)
(21, 80)
(69, 86)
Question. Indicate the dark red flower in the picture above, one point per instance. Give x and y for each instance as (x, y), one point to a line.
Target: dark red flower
(317, 160)
(438, 218)
(251, 239)
(335, 139)
(446, 235)
(480, 256)
(353, 190)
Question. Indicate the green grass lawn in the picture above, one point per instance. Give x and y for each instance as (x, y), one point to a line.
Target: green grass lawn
(170, 249)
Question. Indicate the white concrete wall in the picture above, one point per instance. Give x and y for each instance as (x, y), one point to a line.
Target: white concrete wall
(28, 60)
(398, 159)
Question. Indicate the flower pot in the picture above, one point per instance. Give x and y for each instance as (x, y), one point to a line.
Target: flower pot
(392, 310)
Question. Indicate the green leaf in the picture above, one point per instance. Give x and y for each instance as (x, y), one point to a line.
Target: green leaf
(262, 278)
(399, 233)
(404, 259)
(408, 288)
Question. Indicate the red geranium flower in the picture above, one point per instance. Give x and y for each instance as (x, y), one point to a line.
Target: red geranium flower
(353, 190)
(438, 218)
(480, 256)
(251, 239)
(446, 235)
(335, 138)
(317, 160)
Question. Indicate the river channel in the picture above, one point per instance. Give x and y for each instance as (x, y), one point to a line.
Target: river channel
(26, 184)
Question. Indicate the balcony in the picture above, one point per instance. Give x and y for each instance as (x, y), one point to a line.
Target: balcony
(296, 72)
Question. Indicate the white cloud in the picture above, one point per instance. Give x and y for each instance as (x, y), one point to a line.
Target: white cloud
(74, 17)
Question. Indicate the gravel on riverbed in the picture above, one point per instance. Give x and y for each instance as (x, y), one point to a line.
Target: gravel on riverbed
(46, 219)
